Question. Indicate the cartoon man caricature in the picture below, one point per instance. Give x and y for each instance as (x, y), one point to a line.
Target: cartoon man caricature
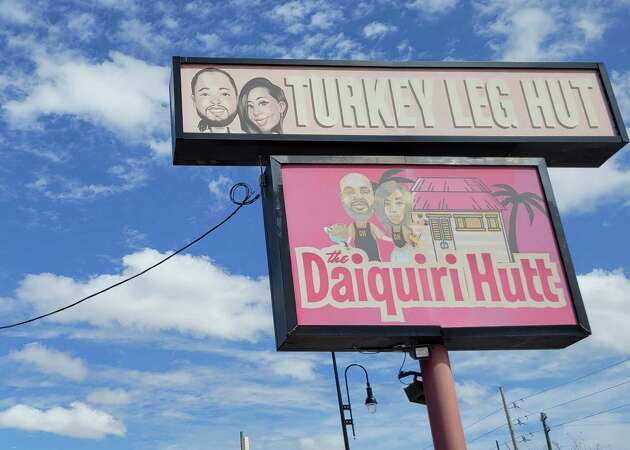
(357, 197)
(215, 98)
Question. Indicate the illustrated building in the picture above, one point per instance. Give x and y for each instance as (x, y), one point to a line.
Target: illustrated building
(458, 214)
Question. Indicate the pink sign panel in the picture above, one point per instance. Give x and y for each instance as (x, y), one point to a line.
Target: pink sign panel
(423, 245)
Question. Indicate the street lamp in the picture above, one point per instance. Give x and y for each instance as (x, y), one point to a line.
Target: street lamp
(370, 400)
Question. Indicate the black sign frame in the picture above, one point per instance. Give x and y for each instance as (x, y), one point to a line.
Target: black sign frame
(248, 149)
(293, 337)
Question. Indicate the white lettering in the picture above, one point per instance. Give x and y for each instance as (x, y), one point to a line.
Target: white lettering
(402, 103)
(460, 120)
(476, 91)
(376, 97)
(585, 87)
(538, 103)
(423, 92)
(325, 107)
(501, 106)
(298, 85)
(352, 102)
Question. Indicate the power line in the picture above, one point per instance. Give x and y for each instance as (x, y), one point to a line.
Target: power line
(586, 395)
(546, 390)
(483, 418)
(574, 380)
(592, 415)
(249, 197)
(560, 404)
(487, 433)
(590, 394)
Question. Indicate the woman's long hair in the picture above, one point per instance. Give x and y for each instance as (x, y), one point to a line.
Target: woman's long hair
(383, 191)
(276, 92)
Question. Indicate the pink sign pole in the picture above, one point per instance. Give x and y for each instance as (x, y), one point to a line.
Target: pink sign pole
(439, 389)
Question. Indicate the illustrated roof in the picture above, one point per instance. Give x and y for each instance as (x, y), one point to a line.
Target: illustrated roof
(453, 194)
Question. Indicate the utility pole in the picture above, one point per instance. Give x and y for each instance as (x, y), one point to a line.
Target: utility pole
(509, 421)
(244, 442)
(546, 429)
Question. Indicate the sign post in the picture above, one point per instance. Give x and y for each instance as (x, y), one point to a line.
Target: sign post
(439, 389)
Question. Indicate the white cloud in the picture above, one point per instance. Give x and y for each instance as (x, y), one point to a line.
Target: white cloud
(301, 15)
(128, 175)
(325, 19)
(529, 29)
(592, 25)
(161, 148)
(82, 25)
(15, 11)
(607, 299)
(432, 6)
(54, 156)
(297, 366)
(326, 442)
(189, 294)
(50, 361)
(211, 41)
(526, 30)
(126, 6)
(109, 397)
(471, 392)
(79, 421)
(621, 86)
(123, 94)
(375, 30)
(606, 184)
(219, 187)
(290, 12)
(141, 34)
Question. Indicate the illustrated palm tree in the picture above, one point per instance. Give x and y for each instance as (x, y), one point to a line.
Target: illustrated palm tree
(508, 196)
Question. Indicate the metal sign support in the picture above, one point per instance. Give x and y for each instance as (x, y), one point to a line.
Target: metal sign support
(439, 386)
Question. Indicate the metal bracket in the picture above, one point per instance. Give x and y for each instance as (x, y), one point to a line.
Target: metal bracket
(346, 407)
(347, 421)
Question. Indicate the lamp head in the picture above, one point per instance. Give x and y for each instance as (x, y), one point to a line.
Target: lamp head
(370, 401)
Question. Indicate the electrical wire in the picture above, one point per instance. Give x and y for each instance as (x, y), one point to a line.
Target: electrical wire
(591, 415)
(557, 405)
(401, 368)
(574, 380)
(248, 197)
(487, 433)
(483, 418)
(586, 395)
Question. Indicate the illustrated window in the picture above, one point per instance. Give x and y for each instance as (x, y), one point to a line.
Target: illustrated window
(493, 222)
(469, 222)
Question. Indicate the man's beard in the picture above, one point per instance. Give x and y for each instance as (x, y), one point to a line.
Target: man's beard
(206, 123)
(357, 216)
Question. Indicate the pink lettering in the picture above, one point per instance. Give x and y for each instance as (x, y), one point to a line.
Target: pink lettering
(519, 292)
(529, 273)
(342, 291)
(545, 273)
(437, 273)
(310, 262)
(412, 292)
(480, 279)
(385, 293)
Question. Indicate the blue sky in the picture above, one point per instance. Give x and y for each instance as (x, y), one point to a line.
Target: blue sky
(184, 358)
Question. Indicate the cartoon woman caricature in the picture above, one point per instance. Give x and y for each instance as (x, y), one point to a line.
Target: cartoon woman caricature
(262, 107)
(393, 208)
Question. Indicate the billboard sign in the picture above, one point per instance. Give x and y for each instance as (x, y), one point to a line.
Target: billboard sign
(228, 111)
(375, 253)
